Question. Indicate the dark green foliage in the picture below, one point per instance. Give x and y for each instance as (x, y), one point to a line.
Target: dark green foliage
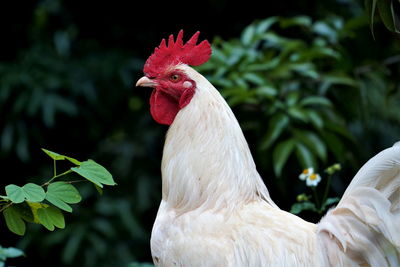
(70, 93)
(389, 13)
(292, 86)
(284, 81)
(306, 89)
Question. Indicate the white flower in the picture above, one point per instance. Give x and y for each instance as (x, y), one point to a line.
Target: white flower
(313, 179)
(306, 173)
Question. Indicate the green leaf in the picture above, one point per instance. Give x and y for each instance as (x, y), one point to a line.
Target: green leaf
(305, 69)
(58, 203)
(330, 201)
(292, 98)
(387, 14)
(339, 127)
(296, 21)
(298, 113)
(24, 211)
(395, 17)
(313, 142)
(334, 144)
(66, 192)
(264, 66)
(323, 29)
(281, 154)
(266, 91)
(11, 252)
(74, 161)
(315, 119)
(34, 207)
(30, 192)
(339, 79)
(50, 217)
(61, 193)
(14, 220)
(53, 155)
(371, 9)
(254, 78)
(33, 192)
(247, 35)
(276, 126)
(95, 173)
(15, 193)
(316, 100)
(99, 190)
(305, 156)
(264, 25)
(318, 53)
(57, 156)
(299, 207)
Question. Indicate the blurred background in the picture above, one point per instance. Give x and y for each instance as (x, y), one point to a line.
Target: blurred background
(309, 82)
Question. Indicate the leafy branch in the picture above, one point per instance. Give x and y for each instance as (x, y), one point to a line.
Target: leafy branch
(43, 204)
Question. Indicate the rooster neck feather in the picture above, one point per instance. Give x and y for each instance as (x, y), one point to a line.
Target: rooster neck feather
(207, 162)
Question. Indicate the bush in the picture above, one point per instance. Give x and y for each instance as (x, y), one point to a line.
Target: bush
(306, 90)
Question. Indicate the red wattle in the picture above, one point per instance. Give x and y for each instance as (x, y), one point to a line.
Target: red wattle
(163, 107)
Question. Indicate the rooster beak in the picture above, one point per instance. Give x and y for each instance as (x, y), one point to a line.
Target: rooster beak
(145, 82)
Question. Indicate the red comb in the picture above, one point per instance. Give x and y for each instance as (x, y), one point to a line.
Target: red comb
(177, 52)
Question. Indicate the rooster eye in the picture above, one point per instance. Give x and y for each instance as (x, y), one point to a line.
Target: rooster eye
(175, 77)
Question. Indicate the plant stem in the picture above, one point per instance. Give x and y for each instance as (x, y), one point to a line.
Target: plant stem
(76, 181)
(316, 199)
(55, 168)
(328, 185)
(56, 176)
(6, 206)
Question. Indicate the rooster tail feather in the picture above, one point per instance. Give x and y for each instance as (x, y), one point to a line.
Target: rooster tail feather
(364, 228)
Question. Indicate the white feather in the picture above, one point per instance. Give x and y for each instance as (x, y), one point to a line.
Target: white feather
(366, 222)
(216, 211)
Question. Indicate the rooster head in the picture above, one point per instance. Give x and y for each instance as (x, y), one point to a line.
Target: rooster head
(172, 88)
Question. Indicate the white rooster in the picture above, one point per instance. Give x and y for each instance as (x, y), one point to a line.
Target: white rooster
(215, 208)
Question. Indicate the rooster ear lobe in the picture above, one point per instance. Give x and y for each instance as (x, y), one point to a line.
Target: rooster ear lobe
(186, 97)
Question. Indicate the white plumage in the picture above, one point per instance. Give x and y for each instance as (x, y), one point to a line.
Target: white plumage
(216, 211)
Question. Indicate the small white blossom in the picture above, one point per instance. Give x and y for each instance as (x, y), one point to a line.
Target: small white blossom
(313, 179)
(306, 173)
